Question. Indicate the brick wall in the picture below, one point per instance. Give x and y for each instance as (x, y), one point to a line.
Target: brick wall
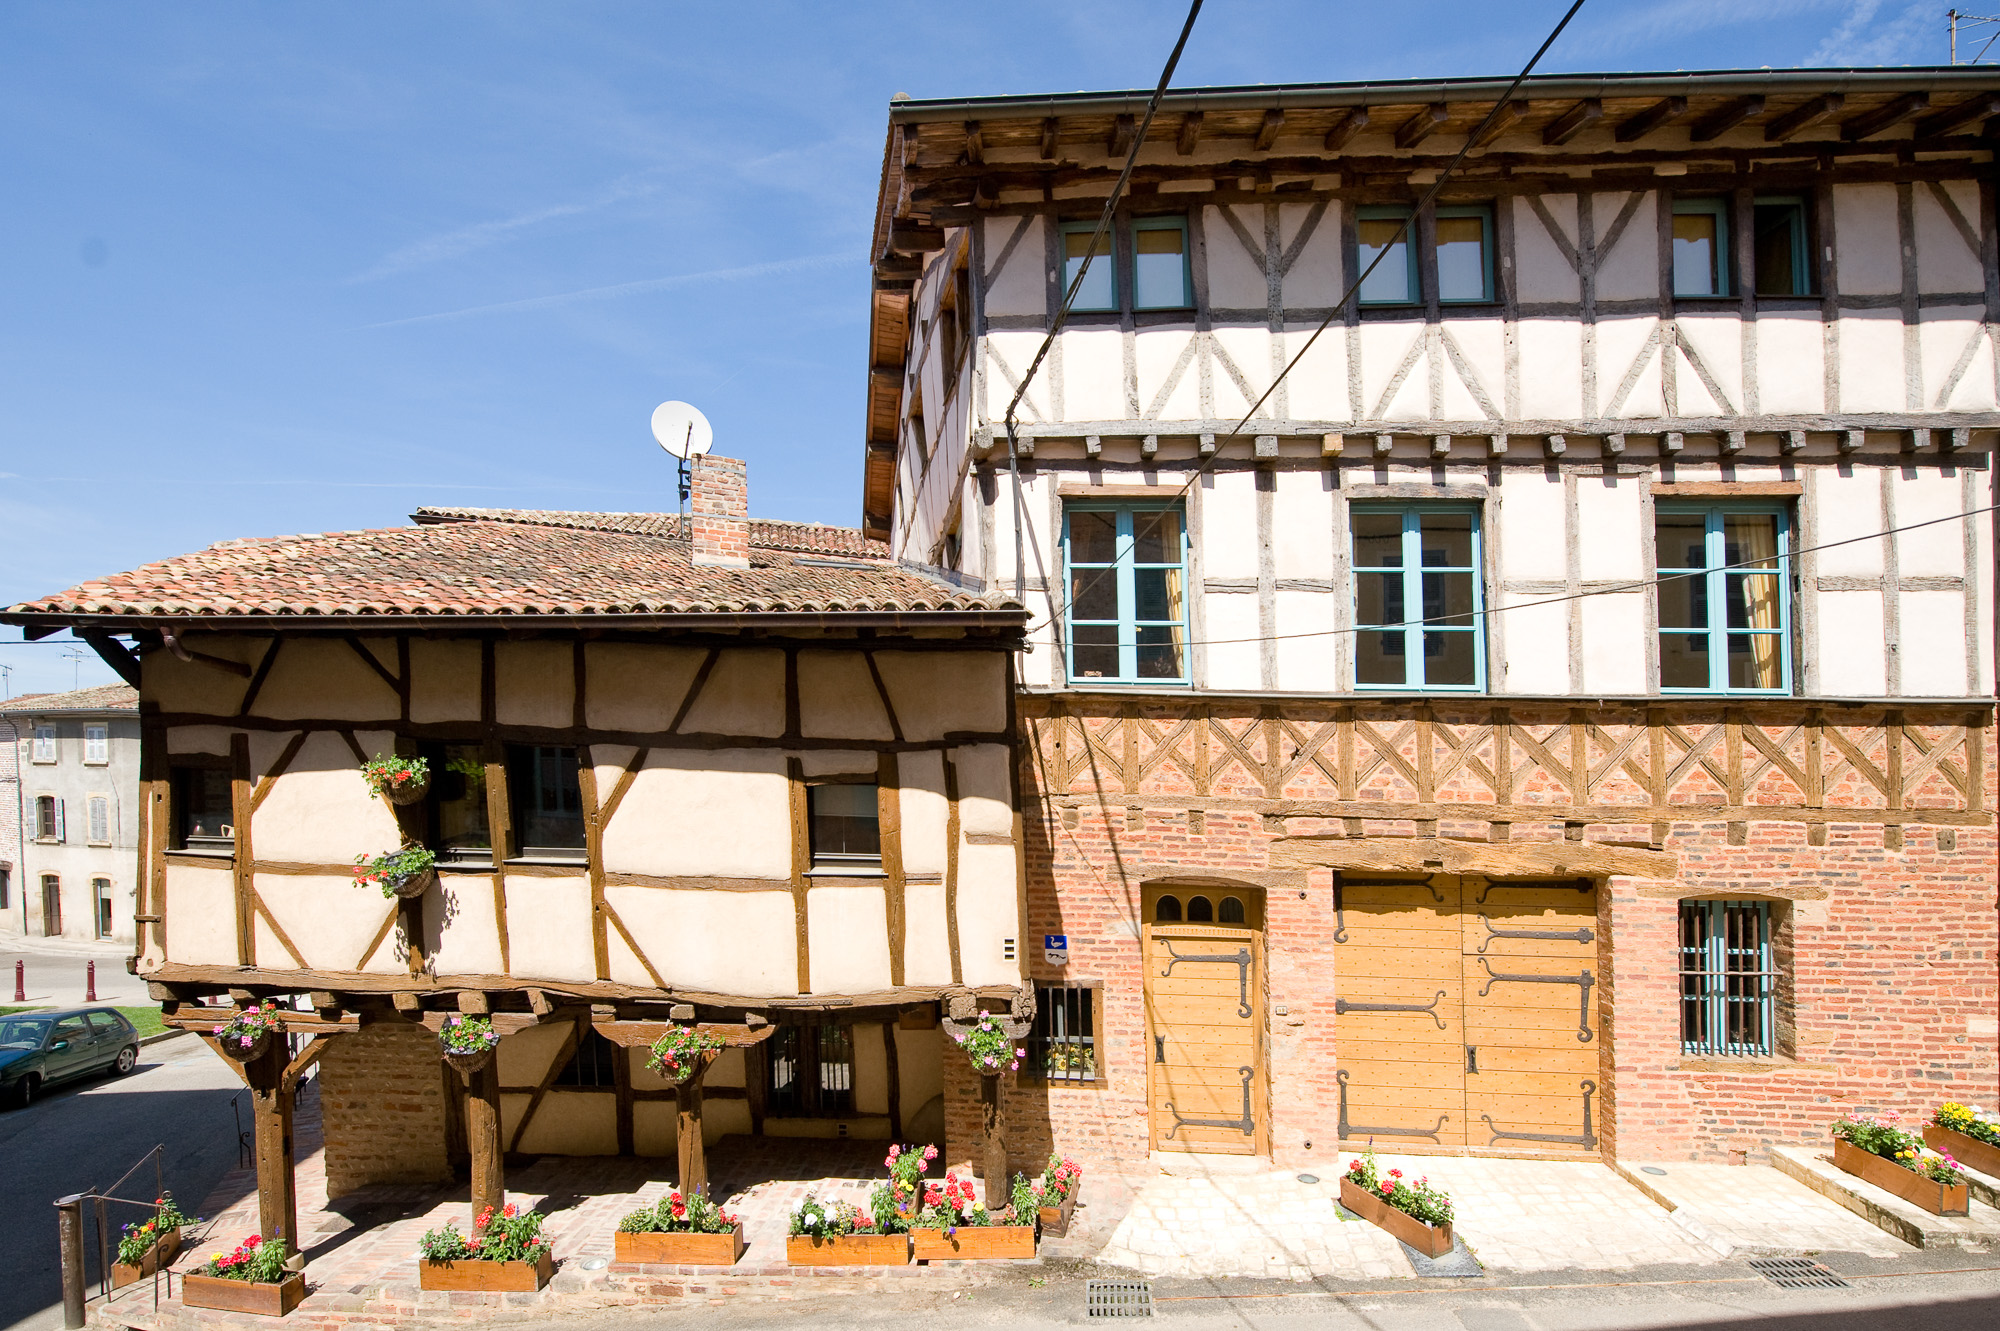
(382, 1104)
(719, 511)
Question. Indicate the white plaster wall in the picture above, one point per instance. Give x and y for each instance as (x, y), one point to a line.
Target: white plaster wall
(1791, 362)
(722, 942)
(940, 693)
(1630, 269)
(1851, 644)
(1233, 652)
(1249, 350)
(1235, 279)
(926, 935)
(535, 683)
(1008, 353)
(1544, 274)
(1018, 286)
(201, 916)
(193, 686)
(1944, 261)
(462, 914)
(1846, 507)
(548, 927)
(1611, 539)
(847, 932)
(328, 918)
(1622, 343)
(1716, 340)
(1551, 380)
(1531, 524)
(1932, 644)
(1093, 374)
(199, 739)
(1308, 649)
(320, 810)
(1386, 350)
(1537, 647)
(1318, 386)
(838, 698)
(1937, 550)
(744, 695)
(1229, 525)
(1869, 258)
(1165, 358)
(1947, 335)
(1315, 279)
(444, 680)
(988, 912)
(1614, 636)
(1871, 360)
(920, 777)
(324, 679)
(1475, 380)
(636, 686)
(722, 813)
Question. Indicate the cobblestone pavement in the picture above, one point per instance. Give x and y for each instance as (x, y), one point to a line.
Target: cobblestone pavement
(1751, 1209)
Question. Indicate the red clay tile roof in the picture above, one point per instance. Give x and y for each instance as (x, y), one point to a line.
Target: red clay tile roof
(801, 537)
(477, 566)
(102, 698)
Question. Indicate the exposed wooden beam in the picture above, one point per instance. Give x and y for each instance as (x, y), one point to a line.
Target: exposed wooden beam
(1505, 118)
(1895, 112)
(1573, 122)
(913, 238)
(114, 654)
(1419, 126)
(1803, 116)
(1119, 141)
(1351, 122)
(1189, 136)
(975, 143)
(1662, 112)
(1943, 122)
(1267, 132)
(1049, 139)
(1725, 118)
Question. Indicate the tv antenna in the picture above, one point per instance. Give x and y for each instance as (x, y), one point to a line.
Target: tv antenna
(684, 432)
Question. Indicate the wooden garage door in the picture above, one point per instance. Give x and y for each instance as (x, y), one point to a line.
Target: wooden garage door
(1465, 1013)
(1204, 1023)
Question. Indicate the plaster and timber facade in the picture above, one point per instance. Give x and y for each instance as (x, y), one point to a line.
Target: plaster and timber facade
(1524, 728)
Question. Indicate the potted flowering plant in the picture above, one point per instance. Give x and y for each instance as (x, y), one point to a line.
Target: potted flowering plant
(247, 1034)
(680, 1231)
(468, 1042)
(148, 1245)
(251, 1279)
(1414, 1212)
(682, 1052)
(989, 1047)
(1879, 1151)
(954, 1225)
(505, 1253)
(1056, 1194)
(399, 873)
(907, 1166)
(841, 1234)
(397, 780)
(1969, 1133)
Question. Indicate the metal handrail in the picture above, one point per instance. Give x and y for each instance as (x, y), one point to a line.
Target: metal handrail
(69, 1236)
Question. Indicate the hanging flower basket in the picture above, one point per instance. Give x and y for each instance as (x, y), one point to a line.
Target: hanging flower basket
(683, 1051)
(248, 1034)
(990, 1048)
(405, 873)
(398, 780)
(468, 1043)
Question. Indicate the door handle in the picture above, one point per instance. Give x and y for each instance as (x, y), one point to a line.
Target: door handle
(1472, 1059)
(1159, 1049)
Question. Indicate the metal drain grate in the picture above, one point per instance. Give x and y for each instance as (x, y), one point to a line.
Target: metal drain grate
(1119, 1298)
(1796, 1273)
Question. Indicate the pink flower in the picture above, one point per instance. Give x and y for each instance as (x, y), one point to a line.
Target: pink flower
(895, 1151)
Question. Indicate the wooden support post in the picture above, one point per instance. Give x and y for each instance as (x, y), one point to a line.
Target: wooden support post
(687, 1135)
(992, 1132)
(271, 1115)
(482, 1138)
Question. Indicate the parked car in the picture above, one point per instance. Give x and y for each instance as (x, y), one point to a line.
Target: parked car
(38, 1049)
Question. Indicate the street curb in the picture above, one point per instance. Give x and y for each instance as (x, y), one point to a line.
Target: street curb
(159, 1036)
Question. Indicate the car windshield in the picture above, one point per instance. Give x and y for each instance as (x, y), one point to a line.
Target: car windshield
(23, 1032)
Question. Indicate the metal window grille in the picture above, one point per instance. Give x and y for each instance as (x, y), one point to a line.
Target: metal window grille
(594, 1064)
(1728, 982)
(1063, 1044)
(810, 1072)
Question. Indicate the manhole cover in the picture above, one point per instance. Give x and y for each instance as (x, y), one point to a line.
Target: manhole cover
(1796, 1273)
(1652, 1169)
(1119, 1298)
(1308, 1178)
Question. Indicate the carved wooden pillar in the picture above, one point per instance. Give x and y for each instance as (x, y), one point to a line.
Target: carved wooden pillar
(482, 1138)
(271, 1115)
(993, 1137)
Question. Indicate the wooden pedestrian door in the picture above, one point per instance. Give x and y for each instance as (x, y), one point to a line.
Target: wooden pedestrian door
(1465, 1012)
(1204, 953)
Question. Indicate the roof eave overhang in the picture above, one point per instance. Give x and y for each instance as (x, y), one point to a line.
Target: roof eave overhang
(997, 620)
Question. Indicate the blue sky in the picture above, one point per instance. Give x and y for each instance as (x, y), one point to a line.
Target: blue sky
(273, 268)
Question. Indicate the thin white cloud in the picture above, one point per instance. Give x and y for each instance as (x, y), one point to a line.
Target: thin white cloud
(468, 239)
(743, 274)
(1867, 37)
(1651, 24)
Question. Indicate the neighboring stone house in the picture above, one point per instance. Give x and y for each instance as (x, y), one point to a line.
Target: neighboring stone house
(1373, 791)
(73, 814)
(755, 775)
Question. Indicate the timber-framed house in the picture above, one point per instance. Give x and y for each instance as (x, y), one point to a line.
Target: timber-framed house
(1557, 720)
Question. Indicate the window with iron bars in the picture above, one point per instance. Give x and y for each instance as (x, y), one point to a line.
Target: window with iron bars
(594, 1066)
(1062, 1047)
(810, 1071)
(1728, 980)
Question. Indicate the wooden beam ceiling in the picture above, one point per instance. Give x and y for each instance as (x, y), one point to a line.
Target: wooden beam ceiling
(1943, 122)
(1573, 122)
(1803, 116)
(1189, 136)
(1267, 132)
(1049, 139)
(1419, 126)
(1119, 142)
(1345, 127)
(975, 143)
(1870, 123)
(1725, 118)
(1506, 118)
(1663, 112)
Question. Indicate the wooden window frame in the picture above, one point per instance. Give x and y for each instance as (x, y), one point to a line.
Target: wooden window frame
(865, 866)
(593, 1041)
(103, 913)
(1164, 222)
(1064, 231)
(1413, 289)
(100, 741)
(45, 745)
(1124, 569)
(91, 804)
(1716, 576)
(518, 851)
(1488, 288)
(1413, 569)
(811, 1063)
(177, 837)
(1804, 268)
(1710, 975)
(1725, 269)
(1034, 1070)
(49, 830)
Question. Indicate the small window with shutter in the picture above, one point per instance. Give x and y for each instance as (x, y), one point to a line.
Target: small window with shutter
(99, 807)
(97, 744)
(45, 744)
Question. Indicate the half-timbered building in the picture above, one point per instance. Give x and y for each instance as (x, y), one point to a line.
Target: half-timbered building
(748, 774)
(1552, 717)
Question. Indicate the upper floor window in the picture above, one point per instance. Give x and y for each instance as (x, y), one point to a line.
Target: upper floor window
(844, 825)
(1418, 599)
(96, 744)
(48, 818)
(1701, 247)
(1127, 592)
(1387, 231)
(1725, 614)
(1100, 285)
(1782, 247)
(45, 744)
(1465, 253)
(1160, 276)
(547, 799)
(460, 830)
(203, 819)
(98, 808)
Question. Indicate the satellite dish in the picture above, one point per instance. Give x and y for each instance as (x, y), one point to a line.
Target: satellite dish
(682, 430)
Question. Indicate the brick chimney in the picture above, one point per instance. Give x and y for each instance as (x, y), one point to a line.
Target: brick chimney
(719, 509)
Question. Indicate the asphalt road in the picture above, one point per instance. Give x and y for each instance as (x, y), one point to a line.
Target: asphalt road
(85, 1135)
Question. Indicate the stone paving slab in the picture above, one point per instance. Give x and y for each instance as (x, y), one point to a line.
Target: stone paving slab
(1755, 1210)
(1814, 1167)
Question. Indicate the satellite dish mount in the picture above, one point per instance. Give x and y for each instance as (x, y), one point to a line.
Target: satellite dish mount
(683, 431)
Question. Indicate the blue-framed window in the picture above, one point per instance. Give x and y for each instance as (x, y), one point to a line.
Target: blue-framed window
(1465, 253)
(1729, 979)
(1127, 574)
(1100, 285)
(1161, 279)
(1418, 598)
(1383, 227)
(1782, 246)
(1701, 247)
(1725, 599)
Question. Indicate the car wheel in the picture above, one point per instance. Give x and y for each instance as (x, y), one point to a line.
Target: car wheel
(26, 1090)
(128, 1058)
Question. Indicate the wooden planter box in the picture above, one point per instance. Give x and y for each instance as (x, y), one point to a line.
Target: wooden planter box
(1908, 1184)
(1055, 1219)
(1431, 1240)
(1968, 1151)
(165, 1248)
(488, 1277)
(974, 1243)
(242, 1296)
(679, 1249)
(848, 1250)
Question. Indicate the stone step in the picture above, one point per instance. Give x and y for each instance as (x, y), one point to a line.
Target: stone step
(1814, 1167)
(1985, 1188)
